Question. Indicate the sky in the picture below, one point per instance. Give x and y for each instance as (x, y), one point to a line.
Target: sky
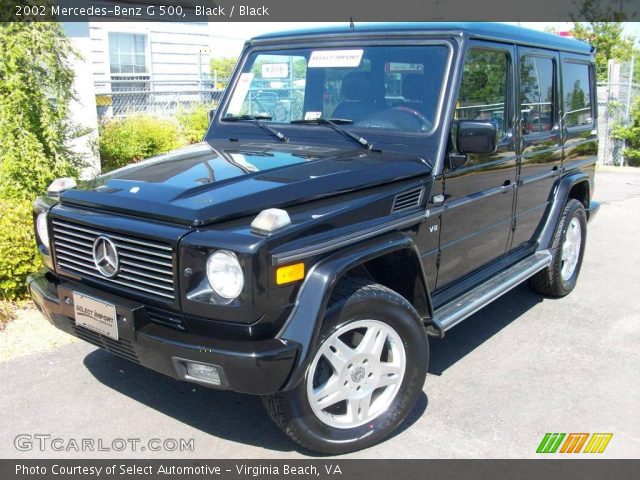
(228, 37)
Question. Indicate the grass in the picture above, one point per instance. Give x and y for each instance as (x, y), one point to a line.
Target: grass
(27, 333)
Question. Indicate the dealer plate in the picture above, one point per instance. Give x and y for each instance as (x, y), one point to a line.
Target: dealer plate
(95, 315)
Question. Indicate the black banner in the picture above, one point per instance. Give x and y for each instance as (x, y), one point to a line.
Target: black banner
(583, 469)
(317, 10)
(324, 469)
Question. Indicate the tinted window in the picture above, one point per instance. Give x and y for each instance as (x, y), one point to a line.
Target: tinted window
(536, 94)
(483, 92)
(577, 94)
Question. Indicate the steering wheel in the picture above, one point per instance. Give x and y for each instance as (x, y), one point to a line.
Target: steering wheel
(401, 117)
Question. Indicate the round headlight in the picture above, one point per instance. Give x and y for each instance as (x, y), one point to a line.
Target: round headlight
(225, 274)
(42, 229)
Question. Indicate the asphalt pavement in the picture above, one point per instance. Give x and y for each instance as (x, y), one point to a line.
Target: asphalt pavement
(499, 381)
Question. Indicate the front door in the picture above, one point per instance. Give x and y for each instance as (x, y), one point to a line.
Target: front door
(479, 196)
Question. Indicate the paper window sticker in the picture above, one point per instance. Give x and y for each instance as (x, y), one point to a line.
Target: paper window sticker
(335, 58)
(312, 115)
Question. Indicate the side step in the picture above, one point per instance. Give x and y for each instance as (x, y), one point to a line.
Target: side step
(454, 312)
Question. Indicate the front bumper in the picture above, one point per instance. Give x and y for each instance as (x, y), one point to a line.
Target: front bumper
(257, 367)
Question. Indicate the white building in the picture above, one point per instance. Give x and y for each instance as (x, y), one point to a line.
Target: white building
(135, 67)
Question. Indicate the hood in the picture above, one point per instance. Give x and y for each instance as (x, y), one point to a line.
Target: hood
(209, 182)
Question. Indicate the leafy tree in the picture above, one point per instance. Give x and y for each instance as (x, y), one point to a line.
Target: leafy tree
(631, 134)
(603, 29)
(223, 66)
(35, 90)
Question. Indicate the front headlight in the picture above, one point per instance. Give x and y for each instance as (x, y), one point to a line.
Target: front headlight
(42, 229)
(225, 274)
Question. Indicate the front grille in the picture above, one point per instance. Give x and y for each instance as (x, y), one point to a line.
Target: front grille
(145, 265)
(123, 348)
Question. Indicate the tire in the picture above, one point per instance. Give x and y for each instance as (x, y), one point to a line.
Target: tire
(561, 276)
(357, 310)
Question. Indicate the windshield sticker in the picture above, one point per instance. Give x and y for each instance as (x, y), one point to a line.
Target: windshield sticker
(240, 93)
(312, 115)
(275, 70)
(335, 58)
(396, 67)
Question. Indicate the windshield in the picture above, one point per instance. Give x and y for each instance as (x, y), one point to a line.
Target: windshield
(375, 87)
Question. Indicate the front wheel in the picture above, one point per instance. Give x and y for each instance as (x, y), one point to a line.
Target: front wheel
(367, 371)
(567, 250)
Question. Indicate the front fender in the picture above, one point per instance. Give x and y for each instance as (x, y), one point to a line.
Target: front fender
(305, 321)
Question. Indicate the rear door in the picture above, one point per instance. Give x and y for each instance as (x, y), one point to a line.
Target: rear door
(540, 140)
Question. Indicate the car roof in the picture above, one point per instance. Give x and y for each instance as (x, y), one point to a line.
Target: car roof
(484, 30)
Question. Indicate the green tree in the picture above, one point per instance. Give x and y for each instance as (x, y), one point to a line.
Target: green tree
(35, 90)
(603, 29)
(223, 66)
(631, 135)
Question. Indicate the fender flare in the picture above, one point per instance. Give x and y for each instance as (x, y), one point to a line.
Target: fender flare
(305, 321)
(560, 196)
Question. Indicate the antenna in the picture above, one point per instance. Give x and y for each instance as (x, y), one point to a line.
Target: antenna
(351, 25)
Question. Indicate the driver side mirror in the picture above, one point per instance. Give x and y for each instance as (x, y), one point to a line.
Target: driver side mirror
(475, 136)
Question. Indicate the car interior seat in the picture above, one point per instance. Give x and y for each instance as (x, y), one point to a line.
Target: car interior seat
(359, 97)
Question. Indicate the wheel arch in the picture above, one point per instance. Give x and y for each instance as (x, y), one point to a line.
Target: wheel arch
(364, 259)
(573, 186)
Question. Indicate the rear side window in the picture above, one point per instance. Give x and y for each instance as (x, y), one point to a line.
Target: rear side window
(536, 94)
(576, 84)
(483, 92)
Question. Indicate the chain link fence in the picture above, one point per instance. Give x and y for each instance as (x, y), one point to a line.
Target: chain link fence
(615, 100)
(140, 95)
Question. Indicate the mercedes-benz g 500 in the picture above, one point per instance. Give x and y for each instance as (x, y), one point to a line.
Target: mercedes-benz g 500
(358, 192)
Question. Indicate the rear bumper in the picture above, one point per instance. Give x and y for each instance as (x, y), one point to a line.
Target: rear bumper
(256, 367)
(593, 209)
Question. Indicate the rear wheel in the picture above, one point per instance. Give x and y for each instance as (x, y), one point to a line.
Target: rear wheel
(367, 371)
(560, 278)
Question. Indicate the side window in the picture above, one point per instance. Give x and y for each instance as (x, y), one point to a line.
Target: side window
(576, 84)
(483, 91)
(536, 94)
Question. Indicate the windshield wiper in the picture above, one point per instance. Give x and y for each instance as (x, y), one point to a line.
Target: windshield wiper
(256, 120)
(335, 124)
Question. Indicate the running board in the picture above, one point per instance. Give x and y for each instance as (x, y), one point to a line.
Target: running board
(454, 312)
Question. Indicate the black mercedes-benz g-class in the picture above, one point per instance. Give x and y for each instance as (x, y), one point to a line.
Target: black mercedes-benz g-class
(358, 190)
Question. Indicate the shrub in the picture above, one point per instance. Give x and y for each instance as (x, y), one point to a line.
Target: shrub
(18, 253)
(123, 141)
(631, 135)
(7, 313)
(194, 122)
(36, 82)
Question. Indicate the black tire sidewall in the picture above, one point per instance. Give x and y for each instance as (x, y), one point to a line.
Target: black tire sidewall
(574, 210)
(405, 321)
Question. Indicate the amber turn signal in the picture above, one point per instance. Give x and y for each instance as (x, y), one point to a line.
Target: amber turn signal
(290, 273)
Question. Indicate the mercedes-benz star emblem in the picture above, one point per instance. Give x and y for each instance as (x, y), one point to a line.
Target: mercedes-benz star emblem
(105, 257)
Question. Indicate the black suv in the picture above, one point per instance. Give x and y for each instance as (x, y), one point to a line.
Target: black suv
(306, 254)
